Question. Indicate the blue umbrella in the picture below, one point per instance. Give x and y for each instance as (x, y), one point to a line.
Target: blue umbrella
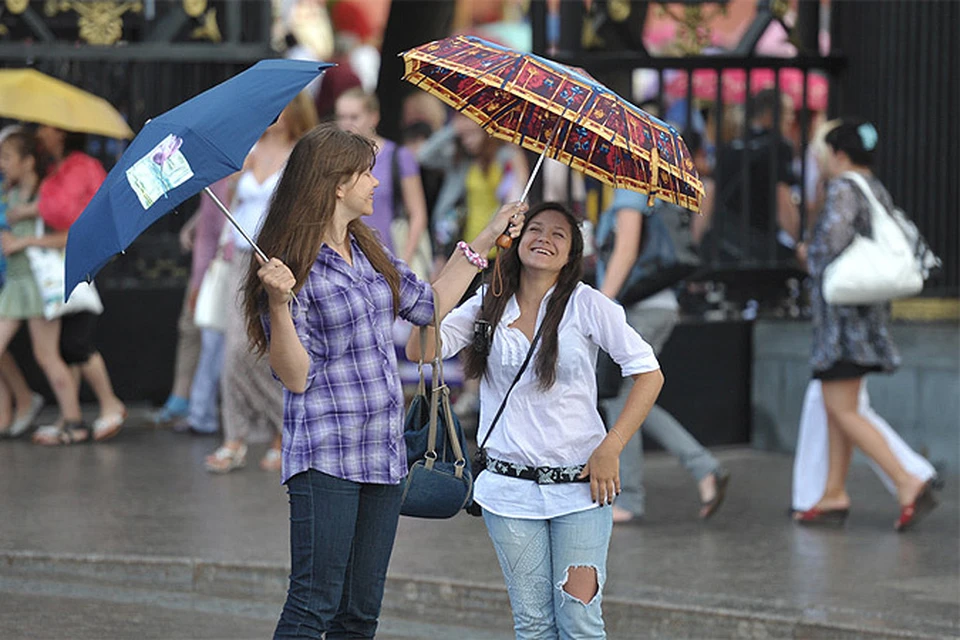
(179, 153)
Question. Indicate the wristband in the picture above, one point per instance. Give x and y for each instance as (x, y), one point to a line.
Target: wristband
(472, 256)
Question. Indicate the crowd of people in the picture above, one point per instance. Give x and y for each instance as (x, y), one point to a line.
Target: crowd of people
(369, 237)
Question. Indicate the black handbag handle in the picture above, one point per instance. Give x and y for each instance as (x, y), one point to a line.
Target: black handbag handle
(516, 379)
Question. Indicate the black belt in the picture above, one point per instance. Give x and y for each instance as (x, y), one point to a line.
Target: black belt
(540, 475)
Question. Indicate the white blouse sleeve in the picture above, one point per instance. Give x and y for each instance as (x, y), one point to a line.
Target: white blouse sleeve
(605, 323)
(456, 330)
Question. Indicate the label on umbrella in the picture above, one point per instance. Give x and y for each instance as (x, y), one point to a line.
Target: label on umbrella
(160, 171)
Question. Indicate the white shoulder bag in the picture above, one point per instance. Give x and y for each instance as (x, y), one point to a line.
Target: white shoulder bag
(213, 299)
(48, 270)
(873, 270)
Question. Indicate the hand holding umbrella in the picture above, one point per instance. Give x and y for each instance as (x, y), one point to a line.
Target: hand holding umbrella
(278, 281)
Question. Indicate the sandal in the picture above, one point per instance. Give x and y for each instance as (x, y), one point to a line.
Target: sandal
(923, 504)
(824, 517)
(225, 459)
(272, 461)
(708, 508)
(106, 427)
(53, 435)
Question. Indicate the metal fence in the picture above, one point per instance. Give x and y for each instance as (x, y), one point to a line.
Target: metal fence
(903, 62)
(894, 64)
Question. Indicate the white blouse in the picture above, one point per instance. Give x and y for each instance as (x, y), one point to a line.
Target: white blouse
(557, 427)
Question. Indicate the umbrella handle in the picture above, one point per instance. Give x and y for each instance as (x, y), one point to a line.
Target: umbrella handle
(234, 222)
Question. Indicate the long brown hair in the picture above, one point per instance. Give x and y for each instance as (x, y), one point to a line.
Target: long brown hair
(301, 211)
(475, 363)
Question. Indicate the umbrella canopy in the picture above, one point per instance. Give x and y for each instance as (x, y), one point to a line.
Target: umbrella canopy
(557, 111)
(179, 153)
(31, 96)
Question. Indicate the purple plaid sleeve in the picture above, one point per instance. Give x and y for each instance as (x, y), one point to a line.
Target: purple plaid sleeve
(349, 421)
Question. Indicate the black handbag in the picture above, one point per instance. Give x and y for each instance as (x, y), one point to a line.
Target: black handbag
(439, 482)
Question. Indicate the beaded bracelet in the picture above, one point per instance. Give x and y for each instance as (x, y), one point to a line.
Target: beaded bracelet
(472, 256)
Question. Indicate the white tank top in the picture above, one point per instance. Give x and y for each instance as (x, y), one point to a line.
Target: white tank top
(250, 204)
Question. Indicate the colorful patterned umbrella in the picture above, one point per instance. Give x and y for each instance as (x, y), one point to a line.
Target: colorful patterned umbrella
(560, 112)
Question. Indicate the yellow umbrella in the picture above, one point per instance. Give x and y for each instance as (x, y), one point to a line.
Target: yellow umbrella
(31, 96)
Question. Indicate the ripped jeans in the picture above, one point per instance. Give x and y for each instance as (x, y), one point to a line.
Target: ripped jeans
(535, 556)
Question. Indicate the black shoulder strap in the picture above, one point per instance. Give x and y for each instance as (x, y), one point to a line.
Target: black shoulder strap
(523, 367)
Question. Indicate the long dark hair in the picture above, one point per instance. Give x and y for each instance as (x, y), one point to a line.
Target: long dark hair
(545, 366)
(301, 211)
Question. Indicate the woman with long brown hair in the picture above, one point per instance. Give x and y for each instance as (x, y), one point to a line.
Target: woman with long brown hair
(322, 309)
(550, 463)
(251, 400)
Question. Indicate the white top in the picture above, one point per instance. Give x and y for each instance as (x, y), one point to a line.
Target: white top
(557, 427)
(250, 205)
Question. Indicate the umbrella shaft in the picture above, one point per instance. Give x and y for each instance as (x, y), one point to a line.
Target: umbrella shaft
(236, 224)
(533, 174)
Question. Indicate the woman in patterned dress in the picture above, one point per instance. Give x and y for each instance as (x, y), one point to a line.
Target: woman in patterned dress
(852, 341)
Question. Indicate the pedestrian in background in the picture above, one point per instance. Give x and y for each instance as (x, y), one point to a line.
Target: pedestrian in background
(251, 399)
(330, 345)
(20, 299)
(551, 464)
(202, 235)
(654, 318)
(851, 341)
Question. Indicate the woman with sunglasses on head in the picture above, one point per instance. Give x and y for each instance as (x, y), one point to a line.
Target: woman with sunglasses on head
(550, 464)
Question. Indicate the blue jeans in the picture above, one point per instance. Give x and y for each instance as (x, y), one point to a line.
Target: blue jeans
(341, 537)
(535, 556)
(204, 413)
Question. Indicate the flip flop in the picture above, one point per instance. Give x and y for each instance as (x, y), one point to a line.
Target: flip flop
(108, 426)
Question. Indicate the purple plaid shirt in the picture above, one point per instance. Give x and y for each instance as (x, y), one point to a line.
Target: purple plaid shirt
(348, 422)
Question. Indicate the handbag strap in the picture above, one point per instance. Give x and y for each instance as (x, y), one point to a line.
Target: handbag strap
(440, 400)
(860, 181)
(516, 379)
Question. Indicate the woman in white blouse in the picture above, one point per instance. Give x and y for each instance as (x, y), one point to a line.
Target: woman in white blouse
(551, 465)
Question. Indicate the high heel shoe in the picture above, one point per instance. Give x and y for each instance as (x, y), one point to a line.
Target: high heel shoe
(910, 515)
(827, 517)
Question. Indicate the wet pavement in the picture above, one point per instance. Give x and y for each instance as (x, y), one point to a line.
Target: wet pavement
(132, 538)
